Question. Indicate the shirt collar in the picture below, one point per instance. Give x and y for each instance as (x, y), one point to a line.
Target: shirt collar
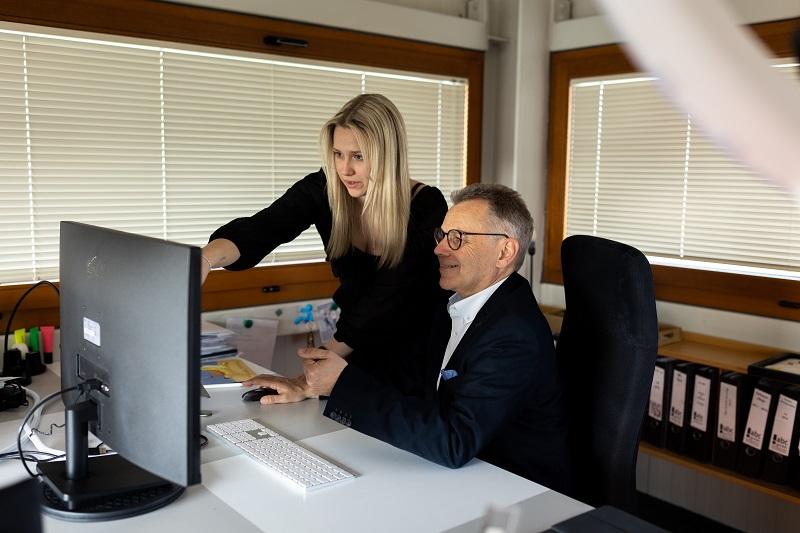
(467, 308)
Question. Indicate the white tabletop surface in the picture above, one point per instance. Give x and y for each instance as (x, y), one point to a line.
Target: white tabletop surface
(393, 491)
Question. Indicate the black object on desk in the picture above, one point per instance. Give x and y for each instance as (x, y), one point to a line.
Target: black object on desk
(21, 507)
(733, 405)
(605, 519)
(254, 395)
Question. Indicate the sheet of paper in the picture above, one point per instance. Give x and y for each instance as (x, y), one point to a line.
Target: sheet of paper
(254, 338)
(225, 372)
(790, 365)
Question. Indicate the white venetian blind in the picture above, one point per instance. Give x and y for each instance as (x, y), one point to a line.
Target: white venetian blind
(173, 143)
(641, 172)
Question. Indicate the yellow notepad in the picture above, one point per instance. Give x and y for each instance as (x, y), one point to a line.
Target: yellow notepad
(225, 372)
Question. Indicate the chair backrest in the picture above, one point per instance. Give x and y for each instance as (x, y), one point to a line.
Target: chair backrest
(607, 349)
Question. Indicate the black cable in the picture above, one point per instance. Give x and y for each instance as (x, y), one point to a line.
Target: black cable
(82, 387)
(31, 455)
(16, 306)
(49, 431)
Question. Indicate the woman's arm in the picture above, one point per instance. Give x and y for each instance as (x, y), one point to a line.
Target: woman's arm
(217, 253)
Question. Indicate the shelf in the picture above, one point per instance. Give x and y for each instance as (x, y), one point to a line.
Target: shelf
(696, 348)
(714, 351)
(779, 491)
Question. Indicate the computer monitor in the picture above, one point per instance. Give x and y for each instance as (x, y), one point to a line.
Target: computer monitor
(130, 330)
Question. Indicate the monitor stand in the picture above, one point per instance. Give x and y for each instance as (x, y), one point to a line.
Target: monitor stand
(98, 488)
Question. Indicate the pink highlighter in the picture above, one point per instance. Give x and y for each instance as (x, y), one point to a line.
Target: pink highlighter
(47, 343)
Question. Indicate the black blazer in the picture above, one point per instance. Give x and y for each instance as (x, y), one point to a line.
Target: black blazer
(504, 404)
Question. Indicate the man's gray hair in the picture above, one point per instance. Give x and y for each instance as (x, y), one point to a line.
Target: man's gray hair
(508, 210)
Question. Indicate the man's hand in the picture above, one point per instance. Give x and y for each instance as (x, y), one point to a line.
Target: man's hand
(289, 390)
(322, 368)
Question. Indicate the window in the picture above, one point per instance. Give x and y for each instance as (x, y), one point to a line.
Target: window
(173, 143)
(628, 166)
(641, 172)
(235, 34)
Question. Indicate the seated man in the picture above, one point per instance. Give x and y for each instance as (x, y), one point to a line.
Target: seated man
(491, 387)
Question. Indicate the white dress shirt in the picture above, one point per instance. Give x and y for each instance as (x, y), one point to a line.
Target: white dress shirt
(462, 313)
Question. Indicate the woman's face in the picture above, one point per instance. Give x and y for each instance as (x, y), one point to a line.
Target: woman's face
(351, 165)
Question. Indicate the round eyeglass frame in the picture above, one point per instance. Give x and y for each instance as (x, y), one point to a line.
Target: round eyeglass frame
(456, 236)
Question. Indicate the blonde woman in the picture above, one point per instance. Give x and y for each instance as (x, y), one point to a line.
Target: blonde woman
(376, 224)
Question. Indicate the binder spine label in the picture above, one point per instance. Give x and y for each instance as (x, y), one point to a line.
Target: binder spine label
(781, 437)
(656, 409)
(678, 398)
(702, 391)
(757, 419)
(727, 412)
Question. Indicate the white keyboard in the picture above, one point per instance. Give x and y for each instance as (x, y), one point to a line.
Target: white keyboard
(288, 459)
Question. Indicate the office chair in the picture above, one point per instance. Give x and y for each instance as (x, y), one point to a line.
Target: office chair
(607, 349)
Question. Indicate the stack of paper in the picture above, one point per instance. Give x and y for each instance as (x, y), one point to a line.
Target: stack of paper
(216, 341)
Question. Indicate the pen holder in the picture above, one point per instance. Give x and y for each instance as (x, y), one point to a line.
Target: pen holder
(12, 363)
(34, 365)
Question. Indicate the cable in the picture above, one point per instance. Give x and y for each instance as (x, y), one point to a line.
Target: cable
(82, 387)
(49, 432)
(16, 306)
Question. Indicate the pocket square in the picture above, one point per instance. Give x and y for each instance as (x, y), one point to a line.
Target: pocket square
(448, 374)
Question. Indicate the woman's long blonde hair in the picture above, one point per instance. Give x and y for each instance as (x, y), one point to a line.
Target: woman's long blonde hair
(381, 134)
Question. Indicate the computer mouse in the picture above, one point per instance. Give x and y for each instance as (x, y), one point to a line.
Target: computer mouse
(254, 395)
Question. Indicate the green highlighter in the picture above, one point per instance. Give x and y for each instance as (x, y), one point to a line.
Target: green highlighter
(33, 335)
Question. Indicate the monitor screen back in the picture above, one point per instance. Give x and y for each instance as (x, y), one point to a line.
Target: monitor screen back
(130, 316)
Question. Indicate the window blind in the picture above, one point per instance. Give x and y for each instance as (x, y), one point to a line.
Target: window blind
(643, 173)
(173, 143)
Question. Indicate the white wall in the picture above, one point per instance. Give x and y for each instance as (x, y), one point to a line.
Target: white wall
(589, 27)
(435, 25)
(516, 106)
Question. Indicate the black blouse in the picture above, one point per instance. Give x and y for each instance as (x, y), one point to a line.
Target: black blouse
(383, 310)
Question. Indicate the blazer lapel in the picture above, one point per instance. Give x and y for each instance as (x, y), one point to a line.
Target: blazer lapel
(483, 318)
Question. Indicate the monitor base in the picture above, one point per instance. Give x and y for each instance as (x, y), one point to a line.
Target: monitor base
(113, 489)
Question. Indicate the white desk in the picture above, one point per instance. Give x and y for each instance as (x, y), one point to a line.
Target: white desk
(394, 490)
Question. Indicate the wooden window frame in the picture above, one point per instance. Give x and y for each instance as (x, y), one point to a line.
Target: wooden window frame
(777, 298)
(210, 27)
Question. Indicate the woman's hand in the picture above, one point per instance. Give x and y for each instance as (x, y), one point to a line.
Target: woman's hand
(217, 253)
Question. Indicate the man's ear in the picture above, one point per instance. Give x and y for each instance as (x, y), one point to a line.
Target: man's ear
(508, 253)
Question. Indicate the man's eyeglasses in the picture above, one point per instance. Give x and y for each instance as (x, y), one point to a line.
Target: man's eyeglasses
(456, 236)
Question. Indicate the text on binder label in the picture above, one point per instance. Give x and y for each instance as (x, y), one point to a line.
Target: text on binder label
(702, 392)
(678, 398)
(657, 395)
(726, 430)
(757, 419)
(781, 437)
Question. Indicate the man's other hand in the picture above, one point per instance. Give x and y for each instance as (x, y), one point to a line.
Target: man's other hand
(322, 368)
